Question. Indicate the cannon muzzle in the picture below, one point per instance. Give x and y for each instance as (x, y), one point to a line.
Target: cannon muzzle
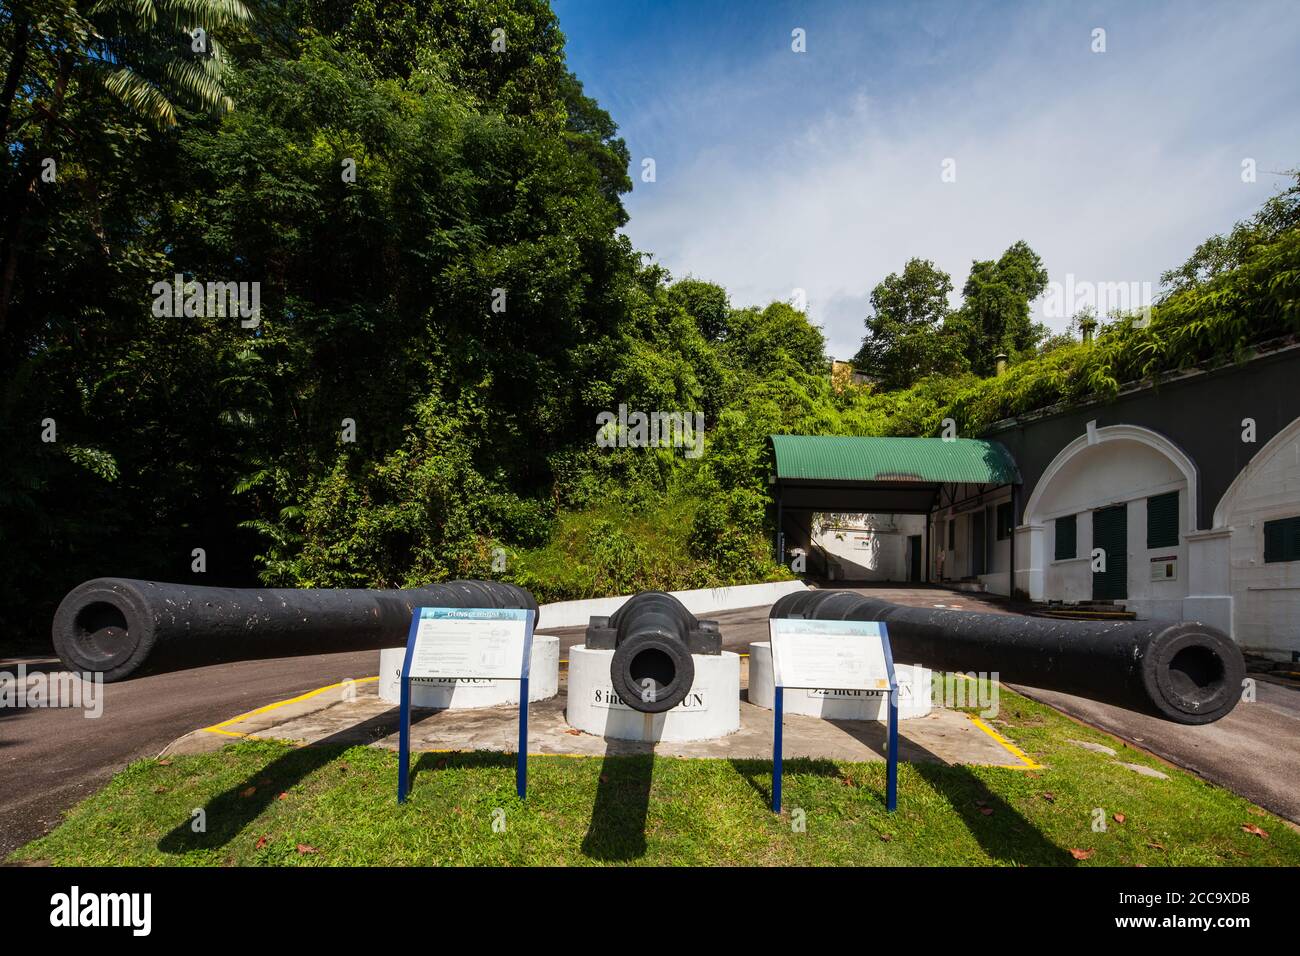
(653, 637)
(112, 625)
(1186, 672)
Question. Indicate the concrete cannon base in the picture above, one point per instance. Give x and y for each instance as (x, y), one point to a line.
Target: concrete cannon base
(543, 682)
(711, 708)
(833, 704)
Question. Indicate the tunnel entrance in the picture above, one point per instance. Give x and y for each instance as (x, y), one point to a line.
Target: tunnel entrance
(912, 506)
(867, 547)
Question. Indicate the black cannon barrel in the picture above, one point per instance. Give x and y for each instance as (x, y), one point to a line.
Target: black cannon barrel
(1186, 672)
(653, 637)
(112, 625)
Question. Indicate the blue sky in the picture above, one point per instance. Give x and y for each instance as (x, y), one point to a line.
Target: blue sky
(822, 171)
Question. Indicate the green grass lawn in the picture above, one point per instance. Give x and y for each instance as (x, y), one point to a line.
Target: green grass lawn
(268, 803)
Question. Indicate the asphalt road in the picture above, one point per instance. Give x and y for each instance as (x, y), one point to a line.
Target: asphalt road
(1254, 751)
(51, 758)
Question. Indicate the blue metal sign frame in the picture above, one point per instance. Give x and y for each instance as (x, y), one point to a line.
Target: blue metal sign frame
(891, 762)
(529, 618)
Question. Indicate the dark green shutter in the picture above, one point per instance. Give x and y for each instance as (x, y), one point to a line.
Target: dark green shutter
(1004, 521)
(1274, 541)
(1162, 521)
(1110, 533)
(1066, 537)
(1282, 540)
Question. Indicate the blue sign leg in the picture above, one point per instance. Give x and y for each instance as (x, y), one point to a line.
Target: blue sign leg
(777, 709)
(521, 767)
(404, 742)
(891, 771)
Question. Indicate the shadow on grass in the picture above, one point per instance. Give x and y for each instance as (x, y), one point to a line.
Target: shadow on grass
(1001, 832)
(999, 829)
(459, 760)
(228, 813)
(617, 829)
(758, 773)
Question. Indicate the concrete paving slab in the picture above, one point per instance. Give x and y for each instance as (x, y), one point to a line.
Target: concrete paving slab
(356, 716)
(1145, 771)
(1095, 748)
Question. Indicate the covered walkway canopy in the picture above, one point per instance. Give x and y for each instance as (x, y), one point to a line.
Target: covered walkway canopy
(844, 474)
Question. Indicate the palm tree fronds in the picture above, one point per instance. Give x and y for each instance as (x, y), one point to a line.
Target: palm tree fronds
(199, 78)
(141, 95)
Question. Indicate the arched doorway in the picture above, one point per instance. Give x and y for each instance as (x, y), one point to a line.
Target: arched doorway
(1108, 520)
(1261, 518)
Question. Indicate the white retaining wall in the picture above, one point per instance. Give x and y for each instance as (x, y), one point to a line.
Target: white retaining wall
(699, 602)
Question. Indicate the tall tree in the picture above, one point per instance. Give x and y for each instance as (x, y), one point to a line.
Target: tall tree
(153, 57)
(762, 340)
(995, 313)
(906, 337)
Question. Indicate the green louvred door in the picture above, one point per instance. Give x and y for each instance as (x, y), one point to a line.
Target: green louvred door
(1110, 533)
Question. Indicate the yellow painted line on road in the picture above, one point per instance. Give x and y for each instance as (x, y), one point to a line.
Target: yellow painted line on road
(1028, 764)
(221, 727)
(218, 730)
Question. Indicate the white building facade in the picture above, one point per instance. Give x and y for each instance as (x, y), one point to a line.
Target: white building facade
(1177, 500)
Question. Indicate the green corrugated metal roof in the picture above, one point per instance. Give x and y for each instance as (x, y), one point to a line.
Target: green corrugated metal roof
(929, 460)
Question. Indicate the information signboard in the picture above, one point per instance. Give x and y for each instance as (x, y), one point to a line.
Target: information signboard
(457, 643)
(469, 643)
(844, 655)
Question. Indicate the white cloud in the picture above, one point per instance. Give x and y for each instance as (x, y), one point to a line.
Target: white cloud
(1112, 166)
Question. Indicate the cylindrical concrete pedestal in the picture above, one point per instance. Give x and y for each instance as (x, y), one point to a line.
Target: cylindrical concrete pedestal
(711, 709)
(543, 681)
(831, 703)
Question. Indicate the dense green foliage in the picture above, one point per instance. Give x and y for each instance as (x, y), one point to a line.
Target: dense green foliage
(430, 204)
(912, 332)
